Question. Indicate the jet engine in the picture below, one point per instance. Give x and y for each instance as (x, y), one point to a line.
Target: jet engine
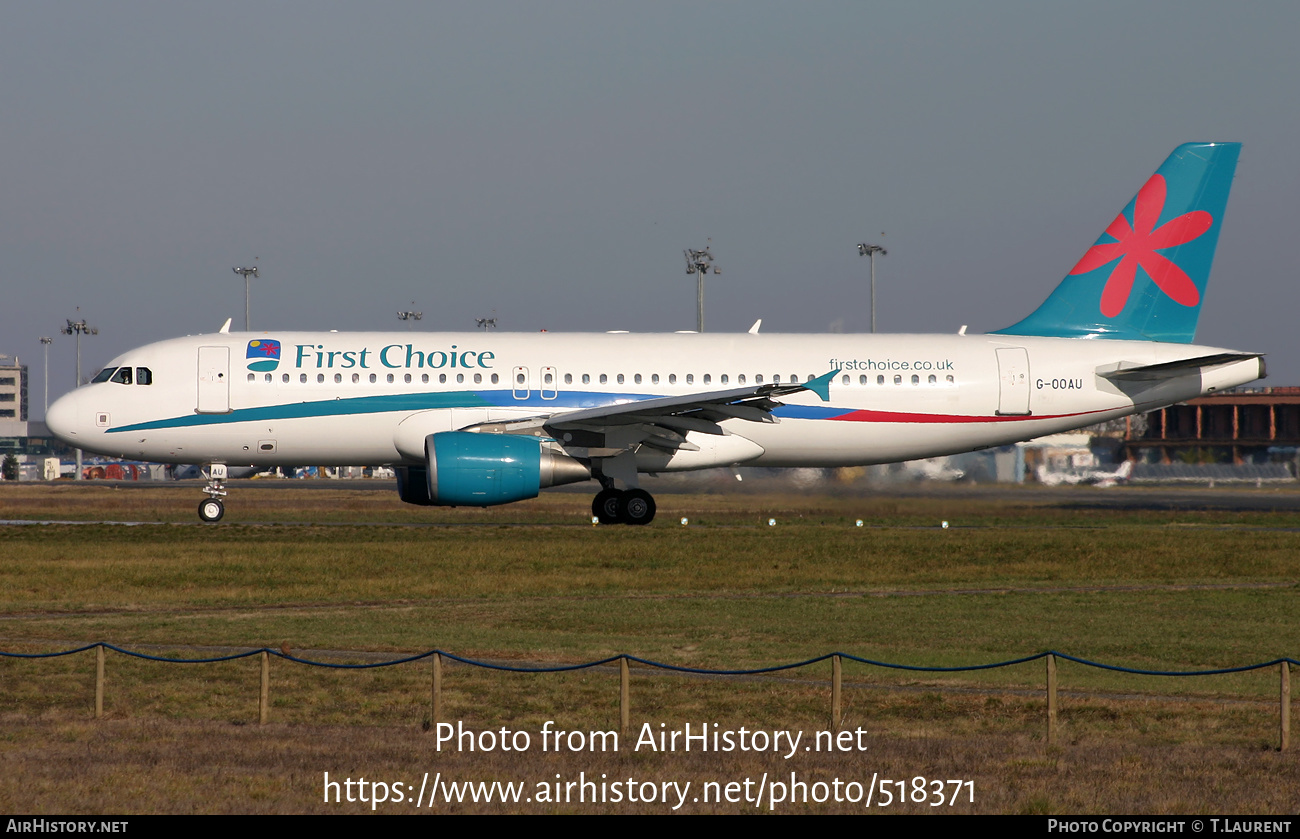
(464, 468)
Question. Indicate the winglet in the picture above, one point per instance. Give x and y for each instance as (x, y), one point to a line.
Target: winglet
(225, 327)
(821, 385)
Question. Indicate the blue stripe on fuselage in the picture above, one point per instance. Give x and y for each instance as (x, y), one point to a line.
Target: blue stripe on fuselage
(432, 401)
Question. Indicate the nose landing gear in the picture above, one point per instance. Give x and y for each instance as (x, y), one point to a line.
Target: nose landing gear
(211, 509)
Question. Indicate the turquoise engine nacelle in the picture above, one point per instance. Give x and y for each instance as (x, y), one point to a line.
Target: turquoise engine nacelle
(479, 470)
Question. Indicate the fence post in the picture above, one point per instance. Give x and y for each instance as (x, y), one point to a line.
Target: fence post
(624, 695)
(99, 681)
(1051, 699)
(1285, 701)
(436, 714)
(837, 705)
(264, 701)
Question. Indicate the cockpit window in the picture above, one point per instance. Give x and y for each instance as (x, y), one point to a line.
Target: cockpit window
(103, 375)
(122, 376)
(143, 376)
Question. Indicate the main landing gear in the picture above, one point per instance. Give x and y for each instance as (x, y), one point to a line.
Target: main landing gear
(211, 509)
(619, 506)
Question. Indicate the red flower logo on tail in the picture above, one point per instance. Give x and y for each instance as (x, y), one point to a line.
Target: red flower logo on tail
(1137, 244)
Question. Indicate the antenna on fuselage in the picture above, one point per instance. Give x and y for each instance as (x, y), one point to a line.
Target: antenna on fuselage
(225, 327)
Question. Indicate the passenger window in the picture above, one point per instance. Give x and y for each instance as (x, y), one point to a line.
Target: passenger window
(933, 378)
(950, 380)
(356, 377)
(103, 375)
(586, 378)
(519, 378)
(916, 380)
(320, 378)
(267, 378)
(285, 378)
(708, 378)
(637, 378)
(862, 380)
(568, 378)
(252, 377)
(672, 378)
(407, 378)
(603, 378)
(495, 378)
(548, 378)
(338, 378)
(620, 378)
(424, 379)
(122, 376)
(898, 380)
(373, 378)
(654, 378)
(690, 378)
(302, 378)
(740, 380)
(478, 378)
(758, 380)
(390, 378)
(143, 376)
(880, 380)
(724, 378)
(460, 378)
(442, 378)
(794, 378)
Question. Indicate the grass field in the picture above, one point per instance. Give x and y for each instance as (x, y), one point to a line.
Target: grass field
(352, 575)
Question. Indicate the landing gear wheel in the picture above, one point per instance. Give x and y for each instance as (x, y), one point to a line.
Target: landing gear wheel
(211, 510)
(636, 507)
(605, 506)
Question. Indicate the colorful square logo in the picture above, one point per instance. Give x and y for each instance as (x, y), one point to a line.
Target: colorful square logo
(263, 355)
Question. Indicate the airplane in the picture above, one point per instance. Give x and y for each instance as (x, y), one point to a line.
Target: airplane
(1093, 477)
(486, 418)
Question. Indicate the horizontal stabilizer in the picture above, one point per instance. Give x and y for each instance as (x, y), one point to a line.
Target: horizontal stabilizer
(1172, 369)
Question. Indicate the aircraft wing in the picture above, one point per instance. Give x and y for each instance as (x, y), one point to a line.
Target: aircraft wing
(664, 421)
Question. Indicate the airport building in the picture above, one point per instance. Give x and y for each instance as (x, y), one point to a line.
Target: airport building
(1241, 426)
(13, 389)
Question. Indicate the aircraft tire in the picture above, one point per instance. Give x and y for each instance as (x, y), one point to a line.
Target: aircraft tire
(636, 506)
(605, 506)
(211, 510)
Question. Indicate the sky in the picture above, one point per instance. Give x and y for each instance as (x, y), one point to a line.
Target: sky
(547, 163)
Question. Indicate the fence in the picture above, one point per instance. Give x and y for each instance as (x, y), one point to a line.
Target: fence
(625, 700)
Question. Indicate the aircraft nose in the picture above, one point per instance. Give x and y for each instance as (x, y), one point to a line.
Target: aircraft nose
(61, 418)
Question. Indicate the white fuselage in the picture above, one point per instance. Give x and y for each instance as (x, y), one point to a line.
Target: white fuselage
(371, 398)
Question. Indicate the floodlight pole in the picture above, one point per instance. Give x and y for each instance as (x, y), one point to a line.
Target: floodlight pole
(246, 273)
(78, 327)
(408, 316)
(700, 263)
(870, 251)
(45, 345)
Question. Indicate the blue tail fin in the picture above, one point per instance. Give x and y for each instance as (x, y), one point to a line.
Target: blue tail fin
(1146, 276)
